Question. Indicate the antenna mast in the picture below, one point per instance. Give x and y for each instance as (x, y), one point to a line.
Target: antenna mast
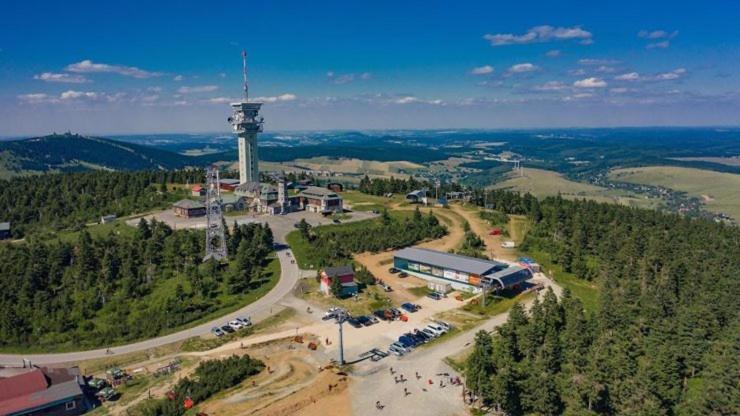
(246, 86)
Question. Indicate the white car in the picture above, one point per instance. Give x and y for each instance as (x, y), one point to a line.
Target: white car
(444, 325)
(429, 332)
(236, 324)
(245, 320)
(436, 329)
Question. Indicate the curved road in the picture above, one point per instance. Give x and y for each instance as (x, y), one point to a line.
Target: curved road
(259, 309)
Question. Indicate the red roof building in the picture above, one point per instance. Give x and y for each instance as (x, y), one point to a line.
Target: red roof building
(42, 391)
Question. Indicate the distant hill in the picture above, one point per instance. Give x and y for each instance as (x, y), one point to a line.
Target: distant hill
(72, 152)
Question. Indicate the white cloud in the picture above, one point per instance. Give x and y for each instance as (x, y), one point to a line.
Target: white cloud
(657, 34)
(618, 90)
(221, 100)
(629, 76)
(222, 74)
(61, 78)
(197, 89)
(539, 34)
(340, 79)
(37, 98)
(482, 70)
(410, 99)
(578, 96)
(69, 96)
(671, 75)
(88, 66)
(178, 78)
(551, 86)
(154, 89)
(277, 98)
(592, 61)
(553, 53)
(659, 45)
(604, 69)
(590, 83)
(523, 68)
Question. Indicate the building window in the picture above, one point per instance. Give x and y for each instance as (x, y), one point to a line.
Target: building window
(70, 405)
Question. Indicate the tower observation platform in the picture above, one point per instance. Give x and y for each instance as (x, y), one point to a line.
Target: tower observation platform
(246, 123)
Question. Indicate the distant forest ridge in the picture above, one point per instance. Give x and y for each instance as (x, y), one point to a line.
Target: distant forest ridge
(577, 153)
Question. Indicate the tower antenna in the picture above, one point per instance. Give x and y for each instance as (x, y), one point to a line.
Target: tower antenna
(244, 71)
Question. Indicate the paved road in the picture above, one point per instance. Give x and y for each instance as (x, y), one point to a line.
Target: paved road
(375, 382)
(258, 310)
(262, 308)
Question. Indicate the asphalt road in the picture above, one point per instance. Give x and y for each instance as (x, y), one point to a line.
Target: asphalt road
(258, 310)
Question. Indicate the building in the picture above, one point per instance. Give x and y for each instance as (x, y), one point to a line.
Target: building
(198, 191)
(321, 200)
(4, 230)
(187, 208)
(417, 197)
(228, 184)
(246, 123)
(461, 272)
(42, 391)
(107, 219)
(335, 186)
(346, 276)
(233, 202)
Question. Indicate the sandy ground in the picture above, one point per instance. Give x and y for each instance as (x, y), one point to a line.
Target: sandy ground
(379, 263)
(482, 228)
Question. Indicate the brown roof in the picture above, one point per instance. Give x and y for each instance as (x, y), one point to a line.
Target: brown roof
(22, 384)
(37, 389)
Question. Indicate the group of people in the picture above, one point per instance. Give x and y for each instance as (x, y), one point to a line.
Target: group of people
(452, 380)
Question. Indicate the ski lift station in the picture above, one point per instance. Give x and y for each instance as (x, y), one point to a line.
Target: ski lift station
(459, 272)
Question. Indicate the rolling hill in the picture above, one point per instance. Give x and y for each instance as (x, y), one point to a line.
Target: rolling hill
(72, 152)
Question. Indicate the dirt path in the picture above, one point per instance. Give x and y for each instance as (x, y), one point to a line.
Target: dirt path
(483, 229)
(379, 263)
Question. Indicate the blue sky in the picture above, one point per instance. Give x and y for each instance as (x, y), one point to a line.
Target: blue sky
(173, 66)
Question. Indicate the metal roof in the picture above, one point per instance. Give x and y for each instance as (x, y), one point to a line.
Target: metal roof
(4, 226)
(510, 276)
(38, 389)
(188, 204)
(456, 262)
(339, 271)
(318, 192)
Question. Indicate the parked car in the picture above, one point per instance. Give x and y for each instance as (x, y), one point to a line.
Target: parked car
(228, 329)
(403, 275)
(336, 221)
(354, 322)
(409, 307)
(245, 320)
(393, 270)
(419, 340)
(400, 346)
(237, 325)
(429, 332)
(444, 325)
(425, 337)
(380, 313)
(437, 327)
(396, 350)
(407, 341)
(434, 295)
(217, 331)
(364, 320)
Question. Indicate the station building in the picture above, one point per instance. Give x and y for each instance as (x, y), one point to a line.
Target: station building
(459, 272)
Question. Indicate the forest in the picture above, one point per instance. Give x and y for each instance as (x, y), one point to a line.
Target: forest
(382, 186)
(92, 292)
(209, 378)
(665, 339)
(334, 244)
(60, 201)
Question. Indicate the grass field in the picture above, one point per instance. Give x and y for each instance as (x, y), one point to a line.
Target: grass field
(542, 183)
(720, 191)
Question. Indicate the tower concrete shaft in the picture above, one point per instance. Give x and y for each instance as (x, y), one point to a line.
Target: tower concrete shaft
(246, 123)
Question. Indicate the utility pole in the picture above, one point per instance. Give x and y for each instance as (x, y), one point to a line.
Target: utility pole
(340, 318)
